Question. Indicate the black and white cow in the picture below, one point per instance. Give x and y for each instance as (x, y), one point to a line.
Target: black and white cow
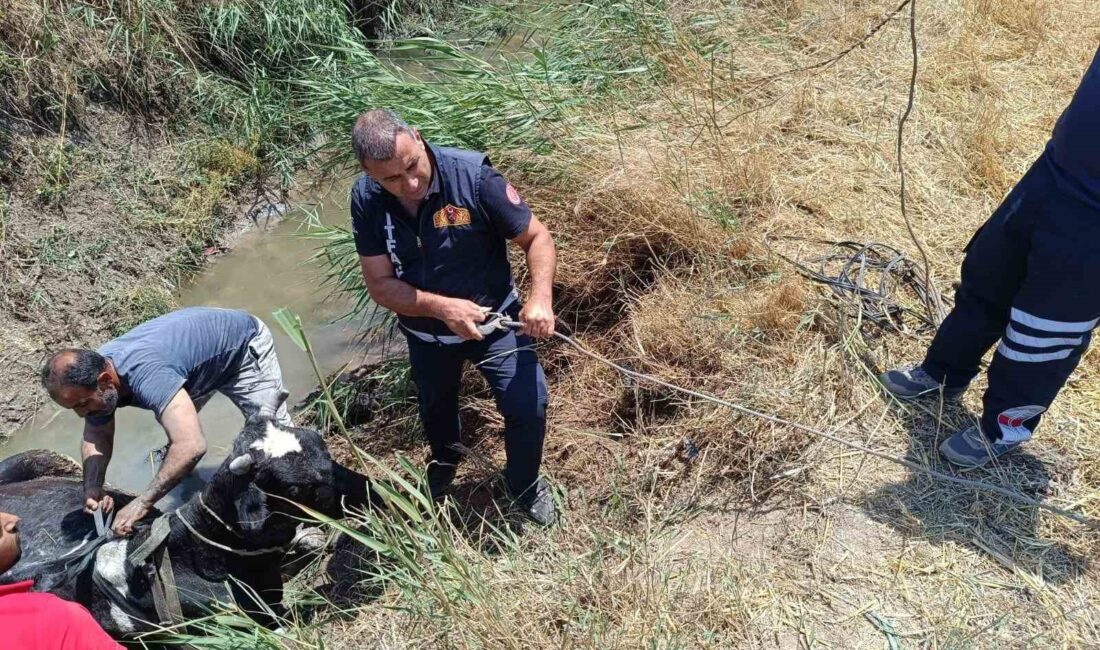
(246, 506)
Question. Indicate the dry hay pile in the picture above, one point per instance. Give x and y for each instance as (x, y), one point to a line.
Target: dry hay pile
(662, 264)
(663, 234)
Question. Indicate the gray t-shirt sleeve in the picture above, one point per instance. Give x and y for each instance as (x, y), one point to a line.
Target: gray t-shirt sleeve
(156, 388)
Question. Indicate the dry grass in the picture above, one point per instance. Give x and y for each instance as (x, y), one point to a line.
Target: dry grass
(766, 537)
(55, 56)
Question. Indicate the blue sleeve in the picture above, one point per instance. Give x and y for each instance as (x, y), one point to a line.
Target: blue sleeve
(364, 228)
(507, 210)
(155, 389)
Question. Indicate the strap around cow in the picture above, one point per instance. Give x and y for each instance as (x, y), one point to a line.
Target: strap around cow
(166, 598)
(157, 534)
(165, 593)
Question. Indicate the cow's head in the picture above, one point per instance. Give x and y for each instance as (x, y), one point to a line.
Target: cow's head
(269, 460)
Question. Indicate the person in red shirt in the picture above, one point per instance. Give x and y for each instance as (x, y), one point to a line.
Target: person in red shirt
(40, 621)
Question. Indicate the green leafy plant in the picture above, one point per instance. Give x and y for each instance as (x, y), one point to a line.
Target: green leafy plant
(292, 326)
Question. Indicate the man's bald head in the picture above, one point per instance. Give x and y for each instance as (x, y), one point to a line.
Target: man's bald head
(375, 135)
(75, 367)
(81, 380)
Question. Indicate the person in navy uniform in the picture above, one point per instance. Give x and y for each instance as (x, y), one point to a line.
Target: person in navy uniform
(1031, 278)
(431, 226)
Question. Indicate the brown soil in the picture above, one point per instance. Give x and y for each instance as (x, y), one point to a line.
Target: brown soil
(97, 231)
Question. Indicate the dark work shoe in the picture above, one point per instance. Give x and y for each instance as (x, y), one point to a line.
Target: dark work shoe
(909, 382)
(538, 503)
(971, 448)
(440, 477)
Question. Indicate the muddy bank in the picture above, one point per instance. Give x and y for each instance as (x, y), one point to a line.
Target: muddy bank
(99, 230)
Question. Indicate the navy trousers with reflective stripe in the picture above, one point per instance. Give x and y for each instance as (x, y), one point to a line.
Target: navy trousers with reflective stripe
(1030, 279)
(513, 372)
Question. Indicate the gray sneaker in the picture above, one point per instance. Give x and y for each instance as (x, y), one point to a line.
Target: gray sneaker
(971, 448)
(909, 382)
(538, 503)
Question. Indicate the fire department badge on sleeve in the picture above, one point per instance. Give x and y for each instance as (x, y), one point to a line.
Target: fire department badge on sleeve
(513, 195)
(451, 216)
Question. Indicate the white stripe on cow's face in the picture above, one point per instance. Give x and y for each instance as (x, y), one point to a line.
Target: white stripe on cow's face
(110, 564)
(277, 443)
(1053, 326)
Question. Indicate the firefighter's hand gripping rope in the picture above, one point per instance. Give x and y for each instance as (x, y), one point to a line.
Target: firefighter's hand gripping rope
(501, 321)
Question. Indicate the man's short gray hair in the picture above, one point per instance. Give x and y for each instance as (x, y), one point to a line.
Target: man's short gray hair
(375, 132)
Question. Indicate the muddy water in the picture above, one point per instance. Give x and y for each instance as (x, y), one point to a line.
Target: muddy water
(264, 271)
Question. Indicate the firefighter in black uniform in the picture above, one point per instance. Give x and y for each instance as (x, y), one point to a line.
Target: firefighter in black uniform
(1030, 278)
(431, 228)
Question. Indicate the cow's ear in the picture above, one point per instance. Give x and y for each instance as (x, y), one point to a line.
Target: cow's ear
(252, 509)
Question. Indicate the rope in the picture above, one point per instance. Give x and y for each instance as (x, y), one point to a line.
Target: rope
(934, 306)
(920, 469)
(866, 276)
(841, 54)
(813, 66)
(223, 547)
(218, 519)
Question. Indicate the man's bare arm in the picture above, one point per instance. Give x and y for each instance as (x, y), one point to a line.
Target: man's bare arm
(186, 446)
(95, 454)
(461, 316)
(542, 261)
(542, 258)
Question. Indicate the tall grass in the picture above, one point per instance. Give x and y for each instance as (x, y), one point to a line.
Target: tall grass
(436, 580)
(525, 104)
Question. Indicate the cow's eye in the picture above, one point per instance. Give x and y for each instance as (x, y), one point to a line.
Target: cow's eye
(294, 491)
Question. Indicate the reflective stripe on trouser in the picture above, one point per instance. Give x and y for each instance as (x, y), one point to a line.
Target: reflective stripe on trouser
(258, 386)
(1031, 279)
(519, 385)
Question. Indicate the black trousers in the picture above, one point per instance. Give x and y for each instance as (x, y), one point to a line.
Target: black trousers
(518, 382)
(1030, 279)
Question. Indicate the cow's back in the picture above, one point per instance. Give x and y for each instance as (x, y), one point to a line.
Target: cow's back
(36, 463)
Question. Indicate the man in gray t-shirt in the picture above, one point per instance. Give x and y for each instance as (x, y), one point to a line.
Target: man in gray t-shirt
(171, 366)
